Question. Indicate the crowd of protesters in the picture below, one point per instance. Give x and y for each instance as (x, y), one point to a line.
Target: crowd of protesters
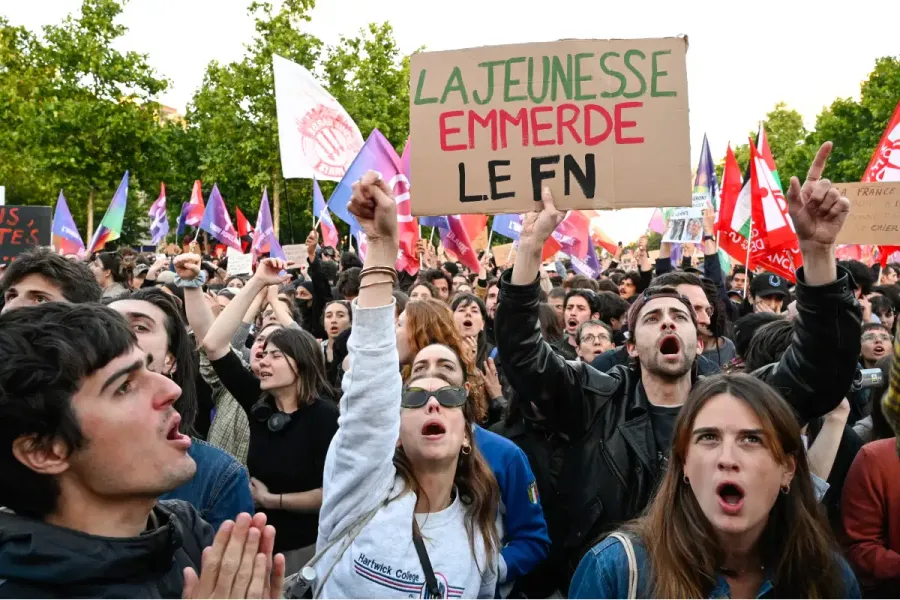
(337, 429)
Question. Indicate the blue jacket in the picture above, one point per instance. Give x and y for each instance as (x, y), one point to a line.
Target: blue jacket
(603, 573)
(220, 490)
(525, 538)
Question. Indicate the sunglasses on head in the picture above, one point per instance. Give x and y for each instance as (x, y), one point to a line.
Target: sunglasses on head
(448, 397)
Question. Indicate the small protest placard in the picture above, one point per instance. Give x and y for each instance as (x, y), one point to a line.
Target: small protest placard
(23, 228)
(685, 225)
(295, 253)
(603, 123)
(874, 213)
(238, 263)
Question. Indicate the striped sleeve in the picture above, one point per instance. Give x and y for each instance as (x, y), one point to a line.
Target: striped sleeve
(891, 402)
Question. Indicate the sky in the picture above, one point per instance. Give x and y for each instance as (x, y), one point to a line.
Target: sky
(743, 57)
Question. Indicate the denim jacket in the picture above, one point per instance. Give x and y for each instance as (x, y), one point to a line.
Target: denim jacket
(603, 573)
(220, 490)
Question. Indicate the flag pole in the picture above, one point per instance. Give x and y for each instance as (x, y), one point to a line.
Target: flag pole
(490, 236)
(747, 264)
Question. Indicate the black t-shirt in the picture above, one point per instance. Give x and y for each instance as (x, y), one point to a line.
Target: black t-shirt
(662, 419)
(287, 461)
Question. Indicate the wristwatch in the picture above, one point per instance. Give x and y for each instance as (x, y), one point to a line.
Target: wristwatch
(708, 237)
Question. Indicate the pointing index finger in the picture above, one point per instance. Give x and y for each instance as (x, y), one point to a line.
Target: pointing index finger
(819, 162)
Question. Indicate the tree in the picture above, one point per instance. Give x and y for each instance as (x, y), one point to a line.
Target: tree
(82, 114)
(785, 132)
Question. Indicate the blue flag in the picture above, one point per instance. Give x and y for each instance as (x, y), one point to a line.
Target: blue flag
(508, 226)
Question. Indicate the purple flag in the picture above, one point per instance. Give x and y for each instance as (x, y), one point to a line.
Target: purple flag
(217, 222)
(66, 238)
(159, 224)
(265, 231)
(377, 154)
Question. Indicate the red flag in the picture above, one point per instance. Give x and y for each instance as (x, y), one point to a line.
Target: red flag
(474, 224)
(598, 236)
(573, 234)
(885, 166)
(245, 231)
(407, 225)
(775, 244)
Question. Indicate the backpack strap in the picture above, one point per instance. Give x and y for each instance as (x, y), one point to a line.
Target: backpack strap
(625, 540)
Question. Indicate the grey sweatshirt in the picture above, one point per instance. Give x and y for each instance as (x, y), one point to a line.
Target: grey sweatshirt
(360, 475)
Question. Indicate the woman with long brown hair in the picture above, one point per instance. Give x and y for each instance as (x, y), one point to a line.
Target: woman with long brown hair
(735, 515)
(409, 504)
(427, 322)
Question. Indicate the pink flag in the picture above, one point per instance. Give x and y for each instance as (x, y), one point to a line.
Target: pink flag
(657, 222)
(217, 222)
(265, 231)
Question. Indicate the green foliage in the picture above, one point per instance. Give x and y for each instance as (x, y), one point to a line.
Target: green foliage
(854, 126)
(654, 239)
(81, 113)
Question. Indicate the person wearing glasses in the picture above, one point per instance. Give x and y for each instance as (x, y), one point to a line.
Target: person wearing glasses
(291, 409)
(592, 338)
(409, 503)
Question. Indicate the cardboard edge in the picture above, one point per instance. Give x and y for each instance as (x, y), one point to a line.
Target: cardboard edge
(680, 36)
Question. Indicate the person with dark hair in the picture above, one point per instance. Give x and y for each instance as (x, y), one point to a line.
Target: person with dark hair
(768, 344)
(556, 298)
(876, 344)
(735, 516)
(470, 315)
(739, 279)
(220, 490)
(442, 282)
(400, 300)
(621, 423)
(768, 293)
(744, 330)
(292, 411)
(606, 285)
(579, 307)
(549, 322)
(41, 275)
(113, 272)
(862, 275)
(348, 284)
(884, 310)
(88, 450)
(350, 260)
(716, 348)
(423, 290)
(890, 274)
(337, 319)
(612, 308)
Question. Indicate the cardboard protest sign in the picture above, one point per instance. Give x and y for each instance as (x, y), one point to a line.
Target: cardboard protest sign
(504, 254)
(874, 213)
(295, 253)
(238, 263)
(603, 123)
(22, 228)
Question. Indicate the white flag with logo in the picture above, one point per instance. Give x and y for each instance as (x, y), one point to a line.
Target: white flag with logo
(316, 135)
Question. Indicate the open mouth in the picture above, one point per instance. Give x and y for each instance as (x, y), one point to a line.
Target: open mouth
(173, 435)
(879, 350)
(670, 345)
(572, 323)
(265, 374)
(433, 429)
(731, 497)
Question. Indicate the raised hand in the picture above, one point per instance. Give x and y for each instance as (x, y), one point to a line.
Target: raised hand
(267, 272)
(187, 266)
(817, 209)
(539, 225)
(373, 205)
(312, 240)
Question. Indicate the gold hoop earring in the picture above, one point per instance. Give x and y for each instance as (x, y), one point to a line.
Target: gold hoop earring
(786, 489)
(466, 450)
(685, 479)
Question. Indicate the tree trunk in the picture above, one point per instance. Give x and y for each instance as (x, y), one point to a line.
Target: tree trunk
(90, 216)
(276, 204)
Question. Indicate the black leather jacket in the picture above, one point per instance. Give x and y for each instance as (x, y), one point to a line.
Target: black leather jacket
(612, 470)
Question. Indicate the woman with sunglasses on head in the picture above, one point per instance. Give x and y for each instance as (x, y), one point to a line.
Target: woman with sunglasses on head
(735, 515)
(289, 404)
(408, 504)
